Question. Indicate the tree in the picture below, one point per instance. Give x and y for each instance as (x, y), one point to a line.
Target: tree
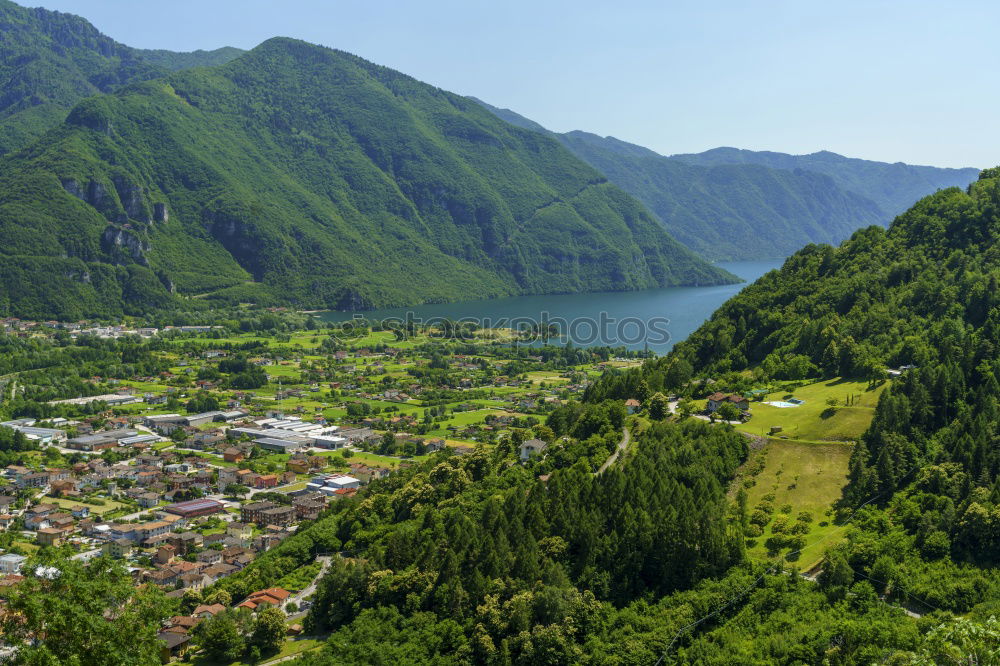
(727, 411)
(71, 610)
(236, 490)
(936, 545)
(192, 599)
(202, 402)
(220, 636)
(387, 445)
(269, 630)
(837, 574)
(658, 406)
(544, 433)
(961, 642)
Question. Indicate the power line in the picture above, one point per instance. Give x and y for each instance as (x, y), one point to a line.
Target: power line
(900, 585)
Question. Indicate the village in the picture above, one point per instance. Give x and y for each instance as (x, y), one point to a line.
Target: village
(188, 475)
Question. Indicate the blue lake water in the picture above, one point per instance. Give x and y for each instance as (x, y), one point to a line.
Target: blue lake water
(653, 319)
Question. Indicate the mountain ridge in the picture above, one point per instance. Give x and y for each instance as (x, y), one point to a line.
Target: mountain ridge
(726, 208)
(894, 186)
(306, 176)
(51, 60)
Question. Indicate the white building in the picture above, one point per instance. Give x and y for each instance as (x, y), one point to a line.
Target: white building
(532, 447)
(11, 563)
(328, 485)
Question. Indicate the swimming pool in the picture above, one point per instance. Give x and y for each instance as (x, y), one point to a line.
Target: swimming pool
(791, 402)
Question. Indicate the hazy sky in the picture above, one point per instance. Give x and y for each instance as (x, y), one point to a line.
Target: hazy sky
(895, 81)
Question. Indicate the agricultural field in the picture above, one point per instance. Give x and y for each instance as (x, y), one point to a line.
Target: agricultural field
(795, 477)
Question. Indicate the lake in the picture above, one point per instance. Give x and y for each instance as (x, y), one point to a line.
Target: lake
(653, 319)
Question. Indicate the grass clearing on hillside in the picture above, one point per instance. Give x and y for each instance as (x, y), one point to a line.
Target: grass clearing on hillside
(804, 477)
(815, 420)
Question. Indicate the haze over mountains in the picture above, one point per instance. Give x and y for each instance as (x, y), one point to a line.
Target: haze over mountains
(894, 187)
(730, 204)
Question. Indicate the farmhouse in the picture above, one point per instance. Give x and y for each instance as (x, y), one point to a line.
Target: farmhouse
(717, 399)
(274, 596)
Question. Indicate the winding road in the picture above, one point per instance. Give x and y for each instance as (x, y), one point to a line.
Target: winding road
(626, 436)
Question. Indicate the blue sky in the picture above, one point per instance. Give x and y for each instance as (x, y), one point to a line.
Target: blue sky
(895, 81)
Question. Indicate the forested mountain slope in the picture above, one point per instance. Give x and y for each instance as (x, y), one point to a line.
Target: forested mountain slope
(883, 298)
(176, 60)
(301, 175)
(738, 204)
(923, 494)
(894, 187)
(923, 293)
(730, 211)
(49, 61)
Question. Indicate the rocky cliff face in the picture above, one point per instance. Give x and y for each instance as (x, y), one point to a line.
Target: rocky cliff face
(124, 245)
(160, 213)
(122, 202)
(133, 201)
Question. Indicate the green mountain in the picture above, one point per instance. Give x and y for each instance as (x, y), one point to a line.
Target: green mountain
(301, 175)
(918, 519)
(731, 204)
(49, 61)
(730, 211)
(883, 298)
(894, 187)
(174, 60)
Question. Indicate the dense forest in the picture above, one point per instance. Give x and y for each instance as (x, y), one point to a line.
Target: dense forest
(925, 475)
(504, 564)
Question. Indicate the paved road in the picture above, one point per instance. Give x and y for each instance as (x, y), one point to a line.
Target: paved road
(311, 587)
(703, 417)
(626, 436)
(87, 555)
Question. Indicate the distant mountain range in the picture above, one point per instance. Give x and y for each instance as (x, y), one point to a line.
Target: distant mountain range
(739, 204)
(293, 175)
(894, 187)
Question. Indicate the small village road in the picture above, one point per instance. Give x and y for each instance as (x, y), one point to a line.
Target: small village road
(626, 436)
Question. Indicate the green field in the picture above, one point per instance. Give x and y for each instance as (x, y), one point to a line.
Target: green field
(548, 376)
(806, 477)
(109, 505)
(815, 420)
